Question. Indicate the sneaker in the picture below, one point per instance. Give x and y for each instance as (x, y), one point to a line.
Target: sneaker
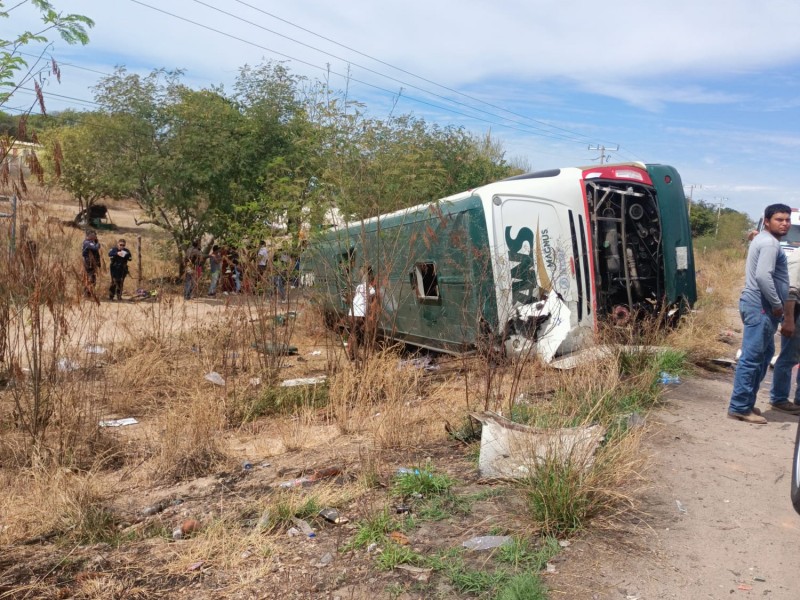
(750, 417)
(786, 407)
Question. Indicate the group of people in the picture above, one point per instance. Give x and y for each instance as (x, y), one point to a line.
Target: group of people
(770, 300)
(119, 257)
(228, 272)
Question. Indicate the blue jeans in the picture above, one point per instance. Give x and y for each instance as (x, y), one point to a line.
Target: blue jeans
(758, 347)
(782, 375)
(212, 289)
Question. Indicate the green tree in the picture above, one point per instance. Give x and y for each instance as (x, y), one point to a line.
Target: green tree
(177, 149)
(702, 219)
(16, 72)
(80, 162)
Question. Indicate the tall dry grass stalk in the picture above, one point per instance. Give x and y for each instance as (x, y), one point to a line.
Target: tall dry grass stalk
(55, 502)
(190, 444)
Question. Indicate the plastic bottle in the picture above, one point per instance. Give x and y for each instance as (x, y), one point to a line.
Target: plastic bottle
(304, 527)
(407, 471)
(667, 379)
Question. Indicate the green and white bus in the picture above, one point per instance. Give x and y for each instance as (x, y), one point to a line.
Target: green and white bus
(529, 264)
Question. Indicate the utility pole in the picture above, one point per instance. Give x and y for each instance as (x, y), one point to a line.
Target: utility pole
(602, 149)
(691, 187)
(719, 210)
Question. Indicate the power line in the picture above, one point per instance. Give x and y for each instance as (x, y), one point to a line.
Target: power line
(421, 78)
(347, 77)
(373, 71)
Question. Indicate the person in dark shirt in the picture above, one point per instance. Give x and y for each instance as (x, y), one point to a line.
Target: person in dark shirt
(91, 261)
(120, 257)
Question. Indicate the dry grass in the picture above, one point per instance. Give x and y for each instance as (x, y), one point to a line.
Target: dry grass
(190, 444)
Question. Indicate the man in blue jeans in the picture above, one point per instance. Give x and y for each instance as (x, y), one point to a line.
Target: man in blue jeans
(761, 308)
(790, 342)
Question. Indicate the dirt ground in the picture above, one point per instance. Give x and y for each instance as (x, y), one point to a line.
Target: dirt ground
(716, 522)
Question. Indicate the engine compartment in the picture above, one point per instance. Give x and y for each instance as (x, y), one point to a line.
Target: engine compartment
(626, 234)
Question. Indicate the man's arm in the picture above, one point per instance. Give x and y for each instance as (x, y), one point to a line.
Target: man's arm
(765, 267)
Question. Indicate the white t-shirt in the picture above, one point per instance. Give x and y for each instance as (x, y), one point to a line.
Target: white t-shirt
(263, 256)
(360, 300)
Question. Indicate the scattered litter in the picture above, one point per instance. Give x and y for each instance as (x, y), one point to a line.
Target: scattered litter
(315, 353)
(635, 421)
(681, 507)
(215, 378)
(738, 354)
(189, 526)
(66, 365)
(564, 543)
(773, 361)
(372, 547)
(416, 495)
(418, 573)
(486, 542)
(293, 532)
(95, 350)
(263, 522)
(425, 363)
(255, 381)
(142, 294)
(247, 465)
(177, 534)
(275, 349)
(304, 527)
(745, 587)
(510, 449)
(332, 515)
(118, 422)
(407, 471)
(315, 476)
(550, 568)
(195, 566)
(724, 362)
(667, 379)
(402, 509)
(398, 537)
(761, 579)
(154, 509)
(303, 381)
(246, 554)
(326, 559)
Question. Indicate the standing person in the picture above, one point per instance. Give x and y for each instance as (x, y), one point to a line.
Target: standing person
(263, 259)
(761, 308)
(91, 261)
(215, 268)
(790, 344)
(193, 265)
(119, 259)
(363, 313)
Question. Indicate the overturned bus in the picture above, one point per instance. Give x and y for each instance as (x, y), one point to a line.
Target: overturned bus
(527, 264)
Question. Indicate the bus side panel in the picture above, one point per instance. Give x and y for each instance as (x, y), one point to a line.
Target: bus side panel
(676, 235)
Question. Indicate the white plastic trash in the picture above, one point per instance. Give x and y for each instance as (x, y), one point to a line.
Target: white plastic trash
(215, 378)
(486, 542)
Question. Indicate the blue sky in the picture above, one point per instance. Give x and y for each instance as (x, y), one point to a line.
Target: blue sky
(709, 86)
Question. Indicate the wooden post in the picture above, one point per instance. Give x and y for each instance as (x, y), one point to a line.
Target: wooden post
(139, 261)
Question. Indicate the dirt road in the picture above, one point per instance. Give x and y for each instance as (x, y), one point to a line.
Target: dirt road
(717, 521)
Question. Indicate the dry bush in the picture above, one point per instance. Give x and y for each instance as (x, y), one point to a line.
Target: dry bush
(358, 391)
(190, 446)
(57, 502)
